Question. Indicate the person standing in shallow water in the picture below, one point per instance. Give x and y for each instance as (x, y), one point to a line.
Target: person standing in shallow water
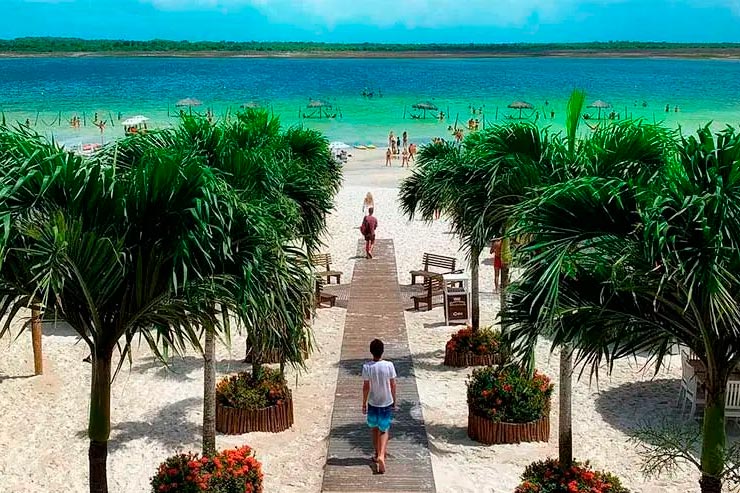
(379, 400)
(368, 227)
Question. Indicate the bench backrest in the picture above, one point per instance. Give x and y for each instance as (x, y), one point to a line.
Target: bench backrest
(322, 259)
(439, 261)
(435, 282)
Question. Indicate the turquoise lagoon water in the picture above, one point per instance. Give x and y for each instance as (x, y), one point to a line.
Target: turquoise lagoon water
(40, 89)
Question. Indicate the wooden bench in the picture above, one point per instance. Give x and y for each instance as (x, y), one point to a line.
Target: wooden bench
(322, 297)
(324, 260)
(433, 286)
(446, 264)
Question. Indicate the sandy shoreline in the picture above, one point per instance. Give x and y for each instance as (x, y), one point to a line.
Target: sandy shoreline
(156, 412)
(689, 54)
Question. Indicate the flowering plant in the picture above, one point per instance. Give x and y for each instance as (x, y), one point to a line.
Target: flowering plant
(548, 476)
(230, 471)
(243, 391)
(508, 394)
(482, 341)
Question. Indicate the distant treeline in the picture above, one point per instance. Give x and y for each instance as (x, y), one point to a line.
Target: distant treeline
(67, 45)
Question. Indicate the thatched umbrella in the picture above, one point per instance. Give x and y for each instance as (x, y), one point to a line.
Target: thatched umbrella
(425, 106)
(521, 106)
(189, 102)
(317, 103)
(601, 105)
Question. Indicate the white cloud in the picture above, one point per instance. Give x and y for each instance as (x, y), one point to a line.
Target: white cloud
(384, 13)
(415, 13)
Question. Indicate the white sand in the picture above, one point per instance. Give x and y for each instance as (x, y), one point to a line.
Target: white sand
(156, 412)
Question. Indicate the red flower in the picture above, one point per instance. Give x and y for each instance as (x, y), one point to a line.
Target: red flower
(573, 487)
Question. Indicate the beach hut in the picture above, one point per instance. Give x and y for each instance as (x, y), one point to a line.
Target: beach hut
(601, 105)
(424, 107)
(189, 103)
(135, 124)
(521, 106)
(317, 108)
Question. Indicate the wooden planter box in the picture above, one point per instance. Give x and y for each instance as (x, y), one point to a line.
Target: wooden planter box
(484, 430)
(460, 359)
(274, 419)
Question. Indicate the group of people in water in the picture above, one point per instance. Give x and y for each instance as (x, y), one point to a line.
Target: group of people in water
(400, 146)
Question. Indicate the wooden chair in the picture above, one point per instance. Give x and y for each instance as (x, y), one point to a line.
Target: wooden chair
(324, 260)
(429, 260)
(690, 391)
(732, 400)
(322, 297)
(432, 287)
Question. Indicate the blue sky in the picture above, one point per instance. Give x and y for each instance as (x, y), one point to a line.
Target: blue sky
(407, 21)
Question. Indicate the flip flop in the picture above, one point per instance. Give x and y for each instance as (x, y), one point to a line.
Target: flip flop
(381, 466)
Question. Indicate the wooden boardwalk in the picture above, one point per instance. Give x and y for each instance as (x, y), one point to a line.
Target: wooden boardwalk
(375, 310)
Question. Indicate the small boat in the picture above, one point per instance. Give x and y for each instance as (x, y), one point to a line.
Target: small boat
(88, 149)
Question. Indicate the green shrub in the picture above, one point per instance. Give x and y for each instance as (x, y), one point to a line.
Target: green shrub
(481, 342)
(230, 471)
(548, 476)
(508, 394)
(241, 391)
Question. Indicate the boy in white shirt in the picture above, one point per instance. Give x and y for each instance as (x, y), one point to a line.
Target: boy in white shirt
(379, 399)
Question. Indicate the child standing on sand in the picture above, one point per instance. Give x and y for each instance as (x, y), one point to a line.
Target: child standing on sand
(379, 400)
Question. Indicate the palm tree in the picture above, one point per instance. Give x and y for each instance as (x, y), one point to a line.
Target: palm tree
(283, 185)
(474, 184)
(646, 264)
(116, 252)
(614, 151)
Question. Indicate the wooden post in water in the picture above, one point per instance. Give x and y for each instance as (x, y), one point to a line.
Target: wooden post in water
(37, 118)
(84, 119)
(496, 113)
(60, 118)
(36, 331)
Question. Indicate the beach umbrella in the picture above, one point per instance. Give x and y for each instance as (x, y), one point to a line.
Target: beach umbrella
(601, 105)
(134, 120)
(521, 106)
(317, 103)
(189, 102)
(425, 106)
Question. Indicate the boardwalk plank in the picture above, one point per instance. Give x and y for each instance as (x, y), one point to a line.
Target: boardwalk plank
(375, 309)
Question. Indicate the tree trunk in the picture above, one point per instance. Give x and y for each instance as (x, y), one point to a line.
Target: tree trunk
(99, 426)
(474, 288)
(256, 368)
(209, 393)
(502, 293)
(36, 331)
(714, 439)
(565, 425)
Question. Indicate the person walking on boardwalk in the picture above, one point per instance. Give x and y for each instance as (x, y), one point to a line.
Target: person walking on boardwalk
(368, 227)
(497, 264)
(368, 203)
(379, 400)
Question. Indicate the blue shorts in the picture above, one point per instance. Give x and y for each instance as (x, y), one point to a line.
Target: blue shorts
(379, 417)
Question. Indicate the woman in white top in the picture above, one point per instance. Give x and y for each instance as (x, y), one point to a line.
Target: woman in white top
(368, 203)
